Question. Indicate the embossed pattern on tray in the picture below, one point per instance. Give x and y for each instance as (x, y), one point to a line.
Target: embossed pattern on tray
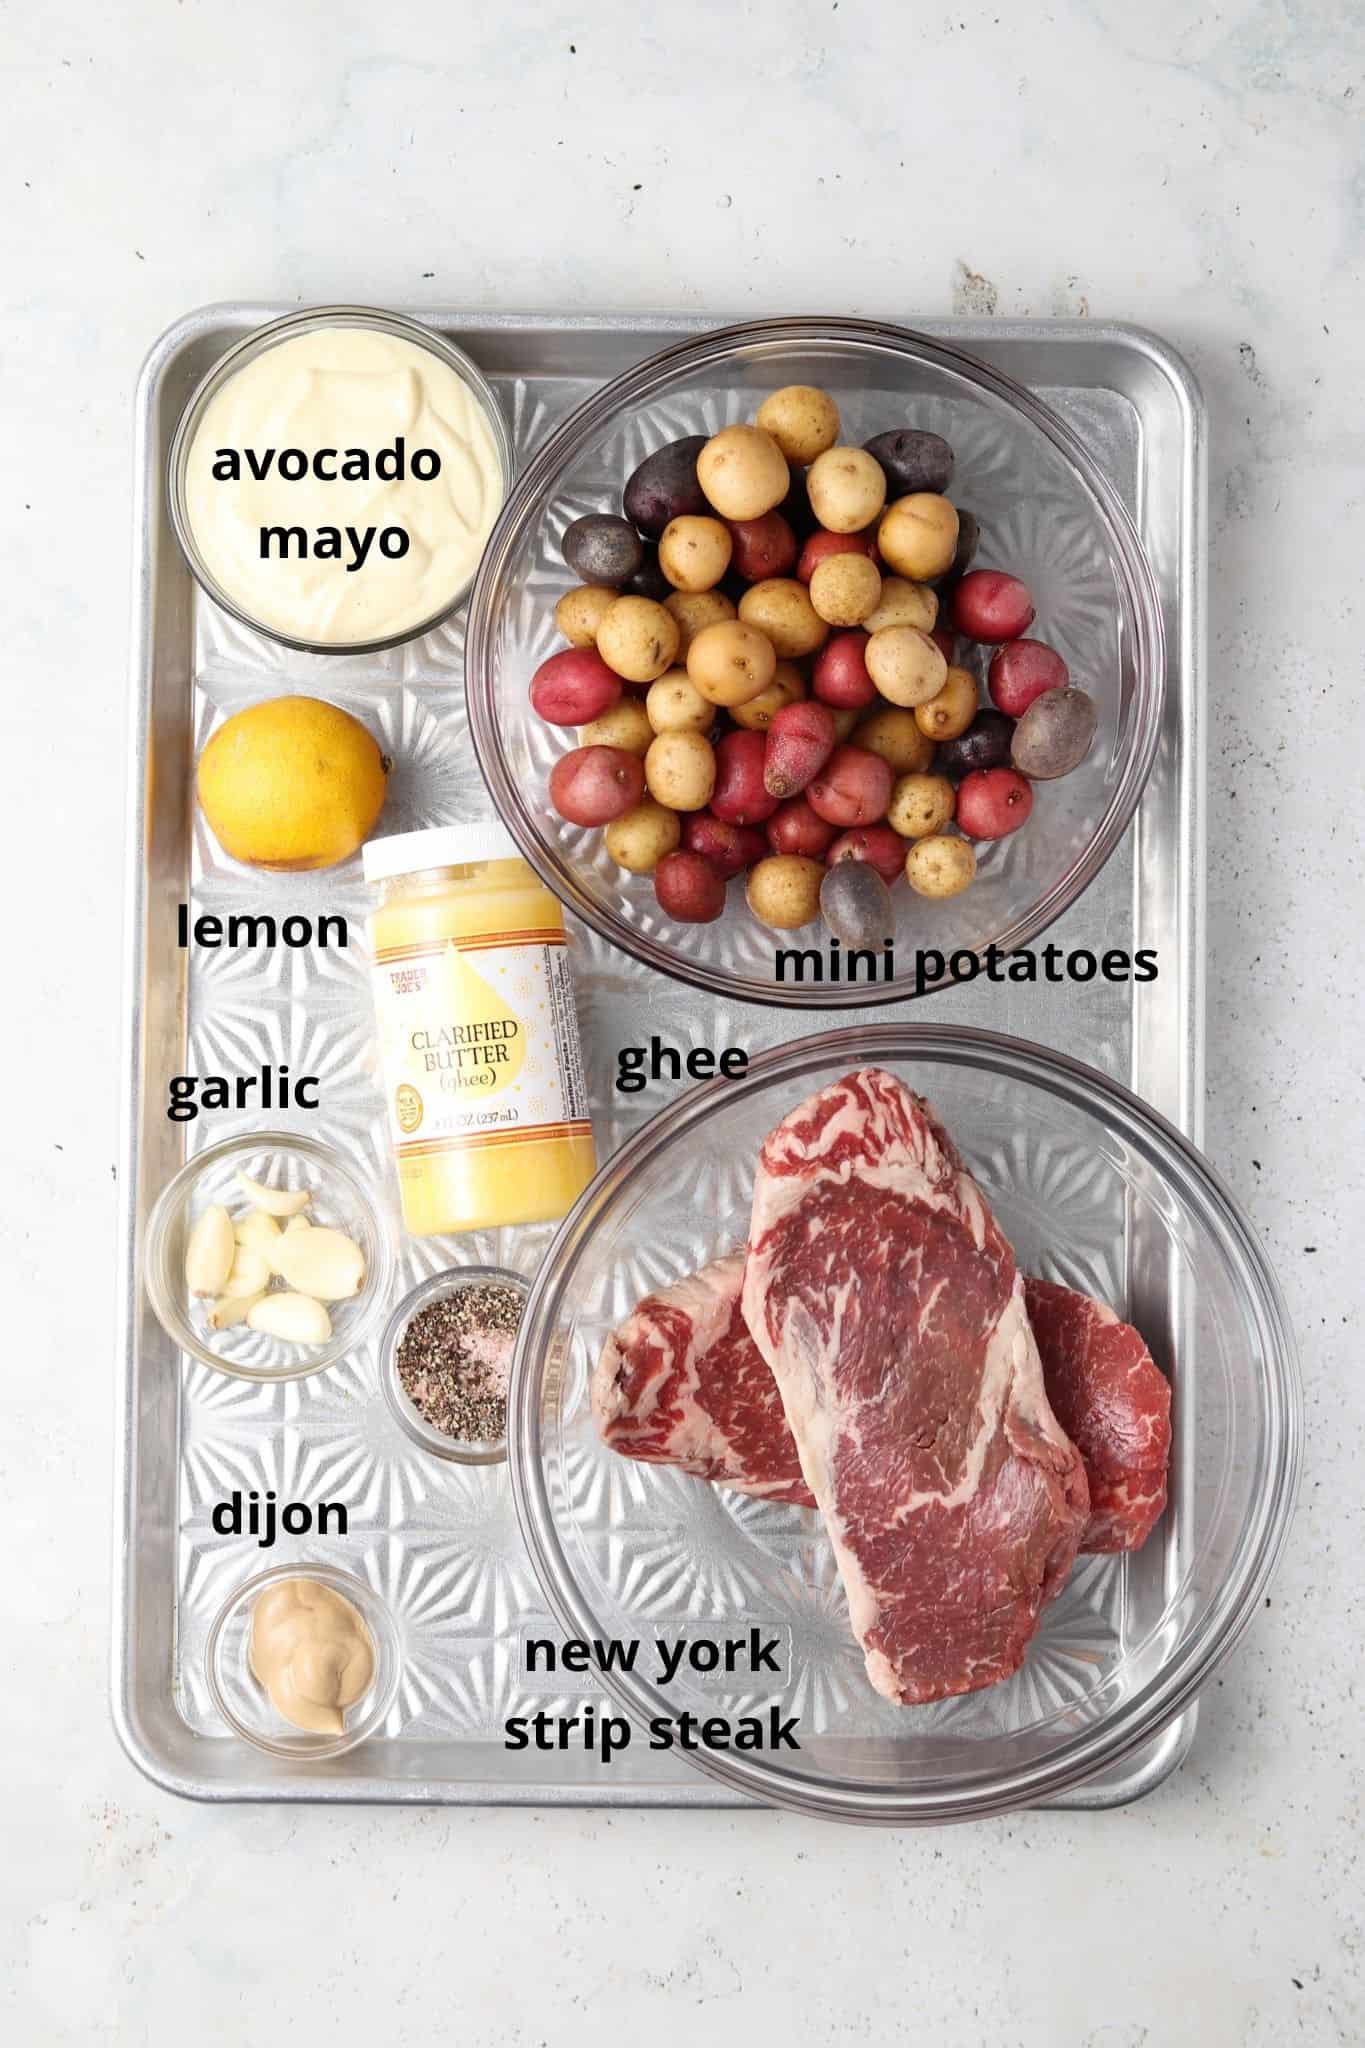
(443, 1544)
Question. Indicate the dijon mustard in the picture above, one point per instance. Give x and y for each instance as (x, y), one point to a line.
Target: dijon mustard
(483, 1073)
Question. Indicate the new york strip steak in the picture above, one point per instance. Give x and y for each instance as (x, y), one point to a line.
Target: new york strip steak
(681, 1382)
(887, 1304)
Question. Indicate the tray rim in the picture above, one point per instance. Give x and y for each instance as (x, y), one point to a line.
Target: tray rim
(1186, 661)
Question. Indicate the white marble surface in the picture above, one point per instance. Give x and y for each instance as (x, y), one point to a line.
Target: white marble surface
(1198, 170)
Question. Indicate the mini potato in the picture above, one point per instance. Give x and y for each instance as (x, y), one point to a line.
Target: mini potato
(918, 536)
(940, 866)
(784, 890)
(675, 704)
(695, 553)
(781, 608)
(895, 734)
(639, 840)
(731, 662)
(788, 686)
(846, 717)
(743, 472)
(954, 708)
(626, 726)
(802, 419)
(845, 589)
(581, 611)
(847, 490)
(638, 639)
(903, 604)
(694, 609)
(680, 771)
(905, 665)
(920, 804)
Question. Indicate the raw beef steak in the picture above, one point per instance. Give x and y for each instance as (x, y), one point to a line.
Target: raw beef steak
(681, 1382)
(1098, 1375)
(887, 1304)
(1113, 1402)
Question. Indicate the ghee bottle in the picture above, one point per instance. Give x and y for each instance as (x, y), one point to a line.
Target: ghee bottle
(483, 1075)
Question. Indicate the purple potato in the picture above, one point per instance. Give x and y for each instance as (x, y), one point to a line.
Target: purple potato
(913, 460)
(665, 486)
(985, 744)
(600, 548)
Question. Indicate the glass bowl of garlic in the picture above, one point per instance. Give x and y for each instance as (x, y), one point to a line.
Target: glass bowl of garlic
(267, 1257)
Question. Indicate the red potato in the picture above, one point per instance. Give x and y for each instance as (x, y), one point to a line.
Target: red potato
(593, 785)
(574, 686)
(688, 888)
(762, 547)
(822, 544)
(729, 848)
(800, 740)
(854, 788)
(990, 606)
(794, 828)
(993, 802)
(840, 675)
(878, 845)
(740, 797)
(1021, 671)
(945, 639)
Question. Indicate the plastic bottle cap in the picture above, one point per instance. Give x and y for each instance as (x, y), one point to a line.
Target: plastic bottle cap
(443, 846)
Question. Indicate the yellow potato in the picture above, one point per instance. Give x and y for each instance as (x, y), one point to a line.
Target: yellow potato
(846, 488)
(893, 733)
(640, 839)
(580, 612)
(940, 866)
(784, 890)
(845, 717)
(918, 536)
(954, 708)
(680, 771)
(626, 726)
(637, 639)
(781, 608)
(802, 419)
(694, 609)
(905, 664)
(731, 662)
(845, 588)
(788, 686)
(903, 604)
(694, 553)
(675, 704)
(743, 472)
(920, 804)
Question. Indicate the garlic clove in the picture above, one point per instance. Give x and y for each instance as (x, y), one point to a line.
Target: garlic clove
(324, 1263)
(297, 1318)
(209, 1252)
(232, 1308)
(250, 1272)
(295, 1224)
(274, 1201)
(257, 1232)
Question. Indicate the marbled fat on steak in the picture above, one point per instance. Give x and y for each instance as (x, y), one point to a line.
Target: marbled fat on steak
(681, 1382)
(1114, 1403)
(887, 1303)
(1101, 1384)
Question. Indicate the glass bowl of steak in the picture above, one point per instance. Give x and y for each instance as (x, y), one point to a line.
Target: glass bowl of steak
(924, 1409)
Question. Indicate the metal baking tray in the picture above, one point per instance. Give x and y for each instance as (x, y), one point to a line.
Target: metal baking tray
(442, 1544)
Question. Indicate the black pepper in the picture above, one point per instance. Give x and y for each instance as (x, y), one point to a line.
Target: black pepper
(453, 1357)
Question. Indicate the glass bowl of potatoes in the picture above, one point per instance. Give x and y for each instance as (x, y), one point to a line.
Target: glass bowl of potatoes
(804, 592)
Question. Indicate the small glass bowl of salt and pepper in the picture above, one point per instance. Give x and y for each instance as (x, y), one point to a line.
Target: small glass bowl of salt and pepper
(445, 1359)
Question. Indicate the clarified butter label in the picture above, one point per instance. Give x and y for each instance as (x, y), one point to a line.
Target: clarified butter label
(479, 1045)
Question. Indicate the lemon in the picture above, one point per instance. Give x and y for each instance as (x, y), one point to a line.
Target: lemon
(292, 783)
